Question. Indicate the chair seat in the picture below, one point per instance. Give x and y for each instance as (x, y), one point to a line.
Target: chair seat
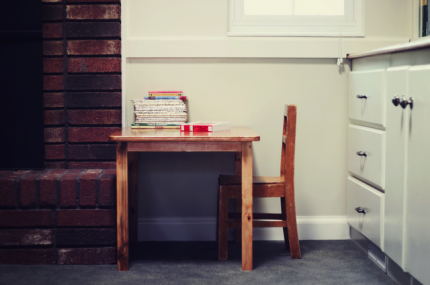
(237, 180)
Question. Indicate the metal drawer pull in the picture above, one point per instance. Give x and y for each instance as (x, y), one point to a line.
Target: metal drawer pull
(361, 153)
(361, 210)
(361, 96)
(405, 102)
(396, 100)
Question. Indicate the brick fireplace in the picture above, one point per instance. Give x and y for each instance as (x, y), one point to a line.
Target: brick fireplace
(65, 214)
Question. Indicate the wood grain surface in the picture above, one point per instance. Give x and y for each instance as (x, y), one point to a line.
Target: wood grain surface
(240, 134)
(247, 206)
(238, 200)
(132, 196)
(238, 140)
(170, 146)
(122, 206)
(290, 204)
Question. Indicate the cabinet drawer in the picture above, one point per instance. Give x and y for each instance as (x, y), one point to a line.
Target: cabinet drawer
(366, 154)
(371, 201)
(372, 85)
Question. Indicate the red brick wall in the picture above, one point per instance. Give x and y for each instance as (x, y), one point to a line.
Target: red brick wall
(82, 82)
(58, 216)
(66, 213)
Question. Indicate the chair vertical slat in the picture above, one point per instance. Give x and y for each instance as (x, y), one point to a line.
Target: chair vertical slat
(290, 204)
(223, 225)
(284, 151)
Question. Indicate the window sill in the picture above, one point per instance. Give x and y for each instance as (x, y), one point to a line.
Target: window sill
(250, 47)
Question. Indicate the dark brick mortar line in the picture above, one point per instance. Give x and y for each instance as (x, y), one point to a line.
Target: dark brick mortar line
(93, 90)
(65, 68)
(93, 55)
(54, 217)
(93, 108)
(93, 38)
(93, 73)
(86, 245)
(93, 21)
(25, 246)
(98, 188)
(57, 191)
(38, 187)
(16, 186)
(78, 188)
(53, 73)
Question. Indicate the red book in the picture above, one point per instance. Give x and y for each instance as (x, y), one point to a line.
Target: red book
(205, 126)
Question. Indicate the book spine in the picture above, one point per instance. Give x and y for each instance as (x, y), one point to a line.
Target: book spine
(155, 127)
(164, 94)
(174, 91)
(196, 128)
(165, 97)
(201, 128)
(155, 124)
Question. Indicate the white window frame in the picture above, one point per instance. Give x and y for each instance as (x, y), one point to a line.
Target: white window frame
(349, 25)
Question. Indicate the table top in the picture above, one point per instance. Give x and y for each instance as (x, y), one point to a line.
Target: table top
(238, 134)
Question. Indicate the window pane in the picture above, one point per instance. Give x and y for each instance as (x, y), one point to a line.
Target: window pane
(268, 7)
(319, 7)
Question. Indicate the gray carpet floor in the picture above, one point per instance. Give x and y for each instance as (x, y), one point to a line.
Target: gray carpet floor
(322, 262)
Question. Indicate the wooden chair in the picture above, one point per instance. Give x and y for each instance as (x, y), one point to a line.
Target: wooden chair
(283, 187)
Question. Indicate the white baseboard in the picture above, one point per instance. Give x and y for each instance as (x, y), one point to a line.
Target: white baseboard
(203, 229)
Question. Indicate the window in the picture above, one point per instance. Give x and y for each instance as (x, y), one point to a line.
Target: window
(296, 18)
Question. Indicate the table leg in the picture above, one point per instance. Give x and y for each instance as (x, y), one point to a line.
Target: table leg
(247, 206)
(238, 202)
(132, 196)
(122, 206)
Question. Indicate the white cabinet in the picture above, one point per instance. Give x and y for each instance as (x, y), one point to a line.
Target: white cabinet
(395, 194)
(397, 187)
(366, 153)
(418, 176)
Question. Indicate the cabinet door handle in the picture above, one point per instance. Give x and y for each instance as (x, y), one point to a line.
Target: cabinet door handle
(361, 96)
(361, 210)
(404, 102)
(396, 100)
(362, 153)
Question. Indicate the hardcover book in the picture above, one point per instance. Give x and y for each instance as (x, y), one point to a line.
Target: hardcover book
(203, 126)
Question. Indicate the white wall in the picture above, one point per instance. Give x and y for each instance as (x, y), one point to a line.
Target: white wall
(208, 18)
(248, 92)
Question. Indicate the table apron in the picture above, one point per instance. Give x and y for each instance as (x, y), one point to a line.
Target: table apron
(184, 146)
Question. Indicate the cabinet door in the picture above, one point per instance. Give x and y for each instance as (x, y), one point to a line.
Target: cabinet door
(418, 176)
(396, 131)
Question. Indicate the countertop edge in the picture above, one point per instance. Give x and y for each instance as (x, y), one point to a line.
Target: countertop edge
(412, 45)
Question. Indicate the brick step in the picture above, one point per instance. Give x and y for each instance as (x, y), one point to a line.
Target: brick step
(54, 209)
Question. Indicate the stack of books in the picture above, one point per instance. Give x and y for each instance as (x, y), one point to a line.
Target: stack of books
(160, 110)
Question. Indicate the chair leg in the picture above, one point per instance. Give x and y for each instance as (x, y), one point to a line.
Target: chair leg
(293, 236)
(285, 229)
(238, 209)
(223, 224)
(217, 218)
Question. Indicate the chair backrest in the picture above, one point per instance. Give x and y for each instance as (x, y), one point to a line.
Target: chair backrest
(289, 144)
